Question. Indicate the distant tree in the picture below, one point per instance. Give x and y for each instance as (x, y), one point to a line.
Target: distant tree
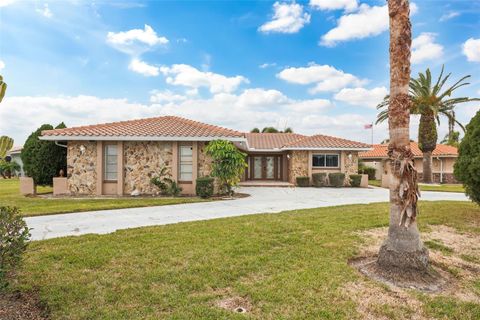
(3, 88)
(452, 139)
(255, 130)
(42, 159)
(228, 163)
(269, 130)
(288, 130)
(467, 166)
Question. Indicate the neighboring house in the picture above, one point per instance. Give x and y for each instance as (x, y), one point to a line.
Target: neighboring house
(443, 159)
(15, 154)
(137, 149)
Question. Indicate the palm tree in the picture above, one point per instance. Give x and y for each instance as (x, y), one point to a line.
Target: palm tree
(3, 88)
(403, 248)
(430, 101)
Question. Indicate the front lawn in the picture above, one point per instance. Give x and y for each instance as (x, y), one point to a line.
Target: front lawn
(291, 265)
(34, 206)
(424, 187)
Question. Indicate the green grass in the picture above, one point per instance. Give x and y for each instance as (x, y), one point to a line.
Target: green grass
(290, 265)
(34, 206)
(439, 246)
(423, 187)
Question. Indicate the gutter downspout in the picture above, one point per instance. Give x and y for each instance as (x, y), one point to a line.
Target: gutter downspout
(60, 145)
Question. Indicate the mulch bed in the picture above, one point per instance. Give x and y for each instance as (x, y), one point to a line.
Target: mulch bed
(21, 306)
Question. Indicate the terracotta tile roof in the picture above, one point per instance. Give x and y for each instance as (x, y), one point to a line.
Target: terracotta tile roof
(14, 150)
(380, 151)
(268, 141)
(322, 141)
(167, 126)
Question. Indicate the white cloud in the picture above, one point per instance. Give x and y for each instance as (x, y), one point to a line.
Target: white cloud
(348, 5)
(471, 49)
(449, 15)
(287, 18)
(4, 3)
(188, 76)
(2, 65)
(424, 48)
(45, 11)
(366, 22)
(144, 68)
(325, 77)
(135, 41)
(267, 65)
(361, 96)
(165, 96)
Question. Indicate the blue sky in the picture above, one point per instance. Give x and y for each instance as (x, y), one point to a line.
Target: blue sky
(319, 66)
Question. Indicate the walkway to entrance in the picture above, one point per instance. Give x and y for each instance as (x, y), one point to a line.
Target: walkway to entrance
(266, 183)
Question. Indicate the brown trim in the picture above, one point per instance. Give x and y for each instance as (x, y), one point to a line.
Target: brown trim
(185, 182)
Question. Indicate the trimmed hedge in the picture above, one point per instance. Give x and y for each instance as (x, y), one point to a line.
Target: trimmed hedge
(204, 188)
(319, 179)
(336, 179)
(355, 180)
(303, 181)
(368, 170)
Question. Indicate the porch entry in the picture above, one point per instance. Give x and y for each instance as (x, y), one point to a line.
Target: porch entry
(265, 167)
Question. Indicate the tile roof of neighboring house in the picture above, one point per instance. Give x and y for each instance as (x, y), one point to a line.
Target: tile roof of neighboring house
(325, 142)
(15, 150)
(380, 151)
(166, 126)
(268, 141)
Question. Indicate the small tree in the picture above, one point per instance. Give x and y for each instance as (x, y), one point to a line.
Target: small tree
(228, 163)
(467, 166)
(43, 159)
(14, 235)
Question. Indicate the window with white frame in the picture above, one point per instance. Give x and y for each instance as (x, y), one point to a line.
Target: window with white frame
(110, 156)
(325, 160)
(186, 163)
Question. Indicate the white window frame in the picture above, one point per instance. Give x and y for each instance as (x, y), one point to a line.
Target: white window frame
(325, 155)
(185, 163)
(105, 163)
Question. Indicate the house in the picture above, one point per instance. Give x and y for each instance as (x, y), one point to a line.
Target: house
(15, 155)
(443, 160)
(121, 157)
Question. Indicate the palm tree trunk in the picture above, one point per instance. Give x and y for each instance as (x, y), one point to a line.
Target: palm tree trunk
(427, 167)
(402, 248)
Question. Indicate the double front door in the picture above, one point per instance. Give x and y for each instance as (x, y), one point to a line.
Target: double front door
(266, 167)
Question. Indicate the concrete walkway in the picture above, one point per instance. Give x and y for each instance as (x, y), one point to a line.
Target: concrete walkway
(262, 200)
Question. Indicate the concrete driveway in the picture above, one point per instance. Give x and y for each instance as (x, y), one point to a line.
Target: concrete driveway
(262, 200)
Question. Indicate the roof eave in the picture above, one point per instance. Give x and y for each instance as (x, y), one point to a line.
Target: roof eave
(326, 148)
(138, 138)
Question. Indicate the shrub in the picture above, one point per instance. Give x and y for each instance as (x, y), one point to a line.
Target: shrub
(303, 181)
(14, 235)
(368, 170)
(164, 182)
(467, 166)
(355, 180)
(228, 163)
(319, 179)
(204, 188)
(43, 159)
(337, 179)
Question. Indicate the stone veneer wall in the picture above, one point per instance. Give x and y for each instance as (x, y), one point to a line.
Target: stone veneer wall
(350, 165)
(204, 161)
(297, 165)
(81, 167)
(143, 160)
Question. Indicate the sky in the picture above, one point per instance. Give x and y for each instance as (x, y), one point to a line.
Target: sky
(318, 66)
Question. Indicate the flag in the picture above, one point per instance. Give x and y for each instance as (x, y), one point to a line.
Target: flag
(368, 126)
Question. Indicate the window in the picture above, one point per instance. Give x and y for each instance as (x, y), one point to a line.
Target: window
(110, 156)
(186, 163)
(325, 160)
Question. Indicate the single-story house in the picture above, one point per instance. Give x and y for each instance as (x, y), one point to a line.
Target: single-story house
(443, 159)
(121, 157)
(15, 154)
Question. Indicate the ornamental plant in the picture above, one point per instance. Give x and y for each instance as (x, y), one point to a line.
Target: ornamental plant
(14, 235)
(467, 166)
(228, 164)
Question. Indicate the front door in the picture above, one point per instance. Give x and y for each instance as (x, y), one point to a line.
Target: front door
(265, 167)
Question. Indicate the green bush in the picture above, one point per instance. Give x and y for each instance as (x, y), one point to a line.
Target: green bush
(336, 179)
(14, 235)
(303, 181)
(204, 188)
(368, 170)
(355, 180)
(467, 166)
(319, 179)
(164, 182)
